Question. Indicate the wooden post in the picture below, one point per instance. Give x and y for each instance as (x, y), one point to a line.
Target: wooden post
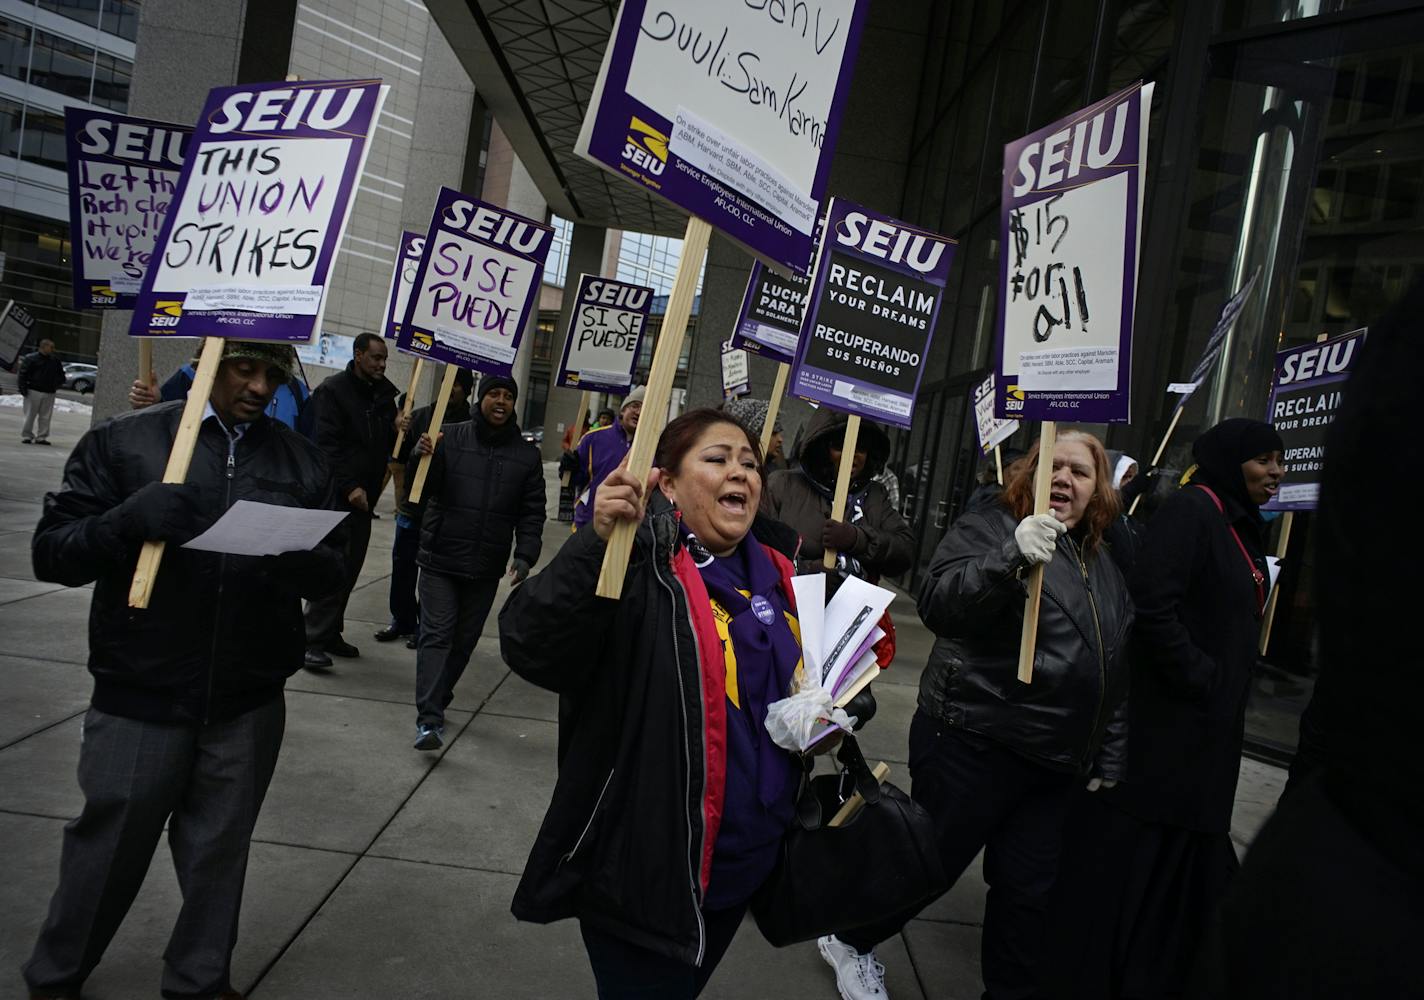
(1042, 485)
(838, 500)
(655, 402)
(442, 400)
(1158, 457)
(856, 802)
(145, 361)
(585, 397)
(999, 464)
(1282, 543)
(415, 374)
(179, 458)
(773, 406)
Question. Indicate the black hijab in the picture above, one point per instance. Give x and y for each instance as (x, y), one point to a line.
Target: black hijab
(1220, 451)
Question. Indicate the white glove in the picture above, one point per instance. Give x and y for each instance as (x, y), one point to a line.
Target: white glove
(1037, 536)
(1105, 783)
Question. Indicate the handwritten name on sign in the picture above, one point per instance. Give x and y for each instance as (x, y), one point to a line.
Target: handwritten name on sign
(123, 173)
(729, 111)
(260, 210)
(605, 335)
(476, 284)
(1071, 231)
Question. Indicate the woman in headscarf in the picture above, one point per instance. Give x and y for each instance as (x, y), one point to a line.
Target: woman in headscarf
(1136, 897)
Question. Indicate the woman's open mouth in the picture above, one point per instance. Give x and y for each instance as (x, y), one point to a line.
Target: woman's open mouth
(1060, 497)
(734, 502)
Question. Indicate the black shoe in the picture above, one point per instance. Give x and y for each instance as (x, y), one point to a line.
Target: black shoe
(27, 440)
(429, 737)
(390, 634)
(46, 443)
(412, 643)
(316, 660)
(340, 647)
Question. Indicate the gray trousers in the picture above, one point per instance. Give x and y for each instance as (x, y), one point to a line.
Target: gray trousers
(452, 616)
(39, 407)
(207, 783)
(326, 616)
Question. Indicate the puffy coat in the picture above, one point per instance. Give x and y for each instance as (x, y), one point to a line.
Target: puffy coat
(354, 424)
(41, 372)
(420, 424)
(486, 491)
(222, 632)
(801, 498)
(627, 841)
(1072, 716)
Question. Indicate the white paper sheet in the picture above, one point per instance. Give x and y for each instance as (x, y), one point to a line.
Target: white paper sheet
(810, 593)
(851, 616)
(263, 529)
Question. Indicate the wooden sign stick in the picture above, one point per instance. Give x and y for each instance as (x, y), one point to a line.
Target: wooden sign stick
(415, 374)
(999, 464)
(179, 458)
(838, 500)
(655, 402)
(856, 802)
(1158, 457)
(145, 361)
(1042, 485)
(584, 398)
(1282, 543)
(442, 400)
(773, 406)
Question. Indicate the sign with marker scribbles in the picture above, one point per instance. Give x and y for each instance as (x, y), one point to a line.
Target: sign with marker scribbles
(1071, 232)
(769, 323)
(992, 431)
(261, 208)
(605, 335)
(412, 245)
(1306, 393)
(730, 111)
(476, 284)
(875, 296)
(736, 371)
(123, 174)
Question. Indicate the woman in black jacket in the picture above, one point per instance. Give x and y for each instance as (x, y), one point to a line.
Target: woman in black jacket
(671, 800)
(994, 760)
(1151, 858)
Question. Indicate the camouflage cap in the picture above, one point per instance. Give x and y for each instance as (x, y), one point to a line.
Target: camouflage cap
(283, 356)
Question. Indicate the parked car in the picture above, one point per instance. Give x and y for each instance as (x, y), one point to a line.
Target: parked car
(80, 376)
(535, 435)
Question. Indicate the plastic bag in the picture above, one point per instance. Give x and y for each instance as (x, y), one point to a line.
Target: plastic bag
(795, 723)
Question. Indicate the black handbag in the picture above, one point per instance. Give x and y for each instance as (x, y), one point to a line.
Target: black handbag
(880, 863)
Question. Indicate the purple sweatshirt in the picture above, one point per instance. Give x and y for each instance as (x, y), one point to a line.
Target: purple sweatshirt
(599, 452)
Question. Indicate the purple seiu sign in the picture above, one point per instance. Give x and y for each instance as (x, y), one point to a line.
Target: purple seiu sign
(1070, 233)
(728, 111)
(476, 285)
(1306, 393)
(123, 175)
(605, 335)
(875, 297)
(412, 246)
(261, 208)
(772, 309)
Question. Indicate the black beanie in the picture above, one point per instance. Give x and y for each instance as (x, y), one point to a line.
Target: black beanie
(492, 382)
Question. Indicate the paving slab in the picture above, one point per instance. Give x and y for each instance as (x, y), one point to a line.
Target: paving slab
(483, 805)
(36, 694)
(964, 902)
(285, 886)
(1257, 790)
(39, 774)
(52, 626)
(946, 958)
(887, 736)
(12, 590)
(24, 513)
(754, 969)
(386, 672)
(517, 697)
(15, 561)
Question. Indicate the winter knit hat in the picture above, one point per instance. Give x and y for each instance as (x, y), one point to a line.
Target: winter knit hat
(1220, 451)
(636, 396)
(491, 382)
(750, 413)
(283, 356)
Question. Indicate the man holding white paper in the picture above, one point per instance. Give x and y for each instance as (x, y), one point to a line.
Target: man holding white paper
(187, 714)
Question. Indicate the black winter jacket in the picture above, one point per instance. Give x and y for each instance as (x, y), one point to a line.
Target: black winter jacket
(222, 633)
(486, 490)
(420, 424)
(40, 373)
(355, 427)
(1071, 717)
(1193, 650)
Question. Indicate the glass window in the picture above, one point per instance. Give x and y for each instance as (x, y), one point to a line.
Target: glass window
(121, 18)
(112, 77)
(43, 138)
(61, 65)
(14, 48)
(86, 11)
(10, 113)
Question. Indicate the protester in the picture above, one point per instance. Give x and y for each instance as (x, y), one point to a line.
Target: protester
(287, 404)
(751, 414)
(1148, 861)
(187, 712)
(671, 802)
(994, 760)
(1328, 902)
(607, 417)
(987, 488)
(41, 375)
(354, 421)
(486, 490)
(873, 540)
(599, 453)
(405, 608)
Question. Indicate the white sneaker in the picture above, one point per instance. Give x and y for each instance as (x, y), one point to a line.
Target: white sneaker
(858, 977)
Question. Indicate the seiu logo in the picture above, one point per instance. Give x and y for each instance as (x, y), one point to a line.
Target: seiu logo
(889, 241)
(166, 314)
(100, 296)
(646, 147)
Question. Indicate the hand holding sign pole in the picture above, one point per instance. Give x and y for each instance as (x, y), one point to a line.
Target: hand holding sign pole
(416, 371)
(437, 420)
(1042, 486)
(838, 499)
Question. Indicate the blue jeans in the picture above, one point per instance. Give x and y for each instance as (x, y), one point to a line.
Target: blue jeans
(405, 609)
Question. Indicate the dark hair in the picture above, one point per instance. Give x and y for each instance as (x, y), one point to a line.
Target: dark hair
(363, 342)
(465, 379)
(1103, 506)
(682, 433)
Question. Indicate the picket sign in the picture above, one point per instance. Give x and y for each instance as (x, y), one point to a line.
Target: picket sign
(773, 406)
(658, 393)
(1158, 457)
(838, 499)
(179, 458)
(415, 374)
(437, 418)
(585, 398)
(1042, 485)
(856, 802)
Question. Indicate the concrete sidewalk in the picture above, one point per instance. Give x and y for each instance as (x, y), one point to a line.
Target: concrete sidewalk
(378, 871)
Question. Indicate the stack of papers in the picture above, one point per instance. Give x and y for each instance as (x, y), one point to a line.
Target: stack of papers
(837, 639)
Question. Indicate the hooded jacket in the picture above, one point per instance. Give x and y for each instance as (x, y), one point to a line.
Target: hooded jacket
(800, 497)
(1070, 718)
(627, 841)
(355, 427)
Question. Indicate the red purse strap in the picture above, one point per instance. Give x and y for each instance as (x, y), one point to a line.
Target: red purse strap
(1256, 574)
